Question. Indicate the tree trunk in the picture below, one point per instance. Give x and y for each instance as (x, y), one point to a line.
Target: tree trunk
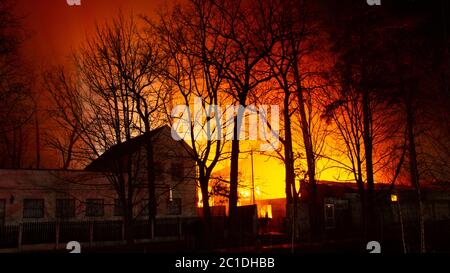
(207, 228)
(288, 151)
(38, 145)
(204, 183)
(413, 169)
(152, 205)
(128, 224)
(294, 225)
(127, 206)
(291, 196)
(234, 169)
(68, 158)
(371, 217)
(315, 214)
(233, 198)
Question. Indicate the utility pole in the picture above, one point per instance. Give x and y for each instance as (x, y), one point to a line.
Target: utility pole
(253, 178)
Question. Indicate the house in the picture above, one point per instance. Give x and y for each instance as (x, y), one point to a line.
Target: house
(175, 170)
(54, 195)
(341, 208)
(89, 195)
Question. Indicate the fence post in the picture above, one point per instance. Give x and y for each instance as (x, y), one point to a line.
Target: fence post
(19, 241)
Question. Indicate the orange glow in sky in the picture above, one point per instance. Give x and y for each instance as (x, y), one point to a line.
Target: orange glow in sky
(56, 29)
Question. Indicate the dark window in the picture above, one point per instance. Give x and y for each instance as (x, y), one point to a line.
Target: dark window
(174, 206)
(177, 171)
(65, 208)
(33, 208)
(118, 208)
(329, 216)
(95, 207)
(2, 211)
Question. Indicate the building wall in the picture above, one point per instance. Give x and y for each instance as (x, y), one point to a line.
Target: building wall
(174, 170)
(176, 189)
(18, 185)
(346, 208)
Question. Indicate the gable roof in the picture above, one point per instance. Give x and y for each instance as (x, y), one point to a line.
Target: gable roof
(129, 147)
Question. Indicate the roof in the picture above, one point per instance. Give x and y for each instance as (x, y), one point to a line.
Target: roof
(129, 147)
(442, 185)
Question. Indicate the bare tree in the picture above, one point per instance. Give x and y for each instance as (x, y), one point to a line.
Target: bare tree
(298, 75)
(243, 27)
(67, 113)
(16, 101)
(142, 67)
(108, 67)
(189, 46)
(412, 72)
(358, 105)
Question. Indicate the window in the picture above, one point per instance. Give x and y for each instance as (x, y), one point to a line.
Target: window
(33, 208)
(118, 208)
(2, 211)
(65, 208)
(329, 216)
(95, 207)
(177, 171)
(174, 206)
(265, 212)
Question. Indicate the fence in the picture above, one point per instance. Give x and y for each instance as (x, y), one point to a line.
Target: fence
(56, 234)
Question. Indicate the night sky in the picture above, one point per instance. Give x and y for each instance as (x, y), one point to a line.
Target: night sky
(55, 29)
